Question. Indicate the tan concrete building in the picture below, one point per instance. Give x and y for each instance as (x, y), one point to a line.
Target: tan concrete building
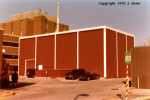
(30, 23)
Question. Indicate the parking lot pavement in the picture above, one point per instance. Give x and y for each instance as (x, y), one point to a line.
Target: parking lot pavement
(61, 89)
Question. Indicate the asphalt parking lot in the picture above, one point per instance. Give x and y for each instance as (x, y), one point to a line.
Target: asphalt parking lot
(61, 89)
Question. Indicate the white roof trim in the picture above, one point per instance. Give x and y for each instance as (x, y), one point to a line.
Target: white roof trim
(70, 31)
(119, 31)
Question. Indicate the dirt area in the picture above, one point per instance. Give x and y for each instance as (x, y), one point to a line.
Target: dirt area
(61, 89)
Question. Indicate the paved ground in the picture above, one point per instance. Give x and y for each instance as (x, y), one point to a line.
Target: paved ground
(60, 89)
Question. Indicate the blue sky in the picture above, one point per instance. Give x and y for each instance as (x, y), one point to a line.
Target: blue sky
(87, 13)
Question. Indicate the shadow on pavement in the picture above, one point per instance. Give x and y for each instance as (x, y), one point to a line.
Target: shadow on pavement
(24, 84)
(84, 94)
(19, 85)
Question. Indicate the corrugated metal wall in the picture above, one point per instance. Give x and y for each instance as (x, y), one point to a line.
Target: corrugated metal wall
(66, 53)
(80, 49)
(141, 67)
(91, 50)
(121, 54)
(111, 53)
(27, 54)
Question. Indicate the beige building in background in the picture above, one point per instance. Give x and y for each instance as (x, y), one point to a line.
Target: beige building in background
(30, 23)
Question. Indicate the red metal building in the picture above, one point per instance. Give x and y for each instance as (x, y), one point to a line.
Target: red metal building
(98, 49)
